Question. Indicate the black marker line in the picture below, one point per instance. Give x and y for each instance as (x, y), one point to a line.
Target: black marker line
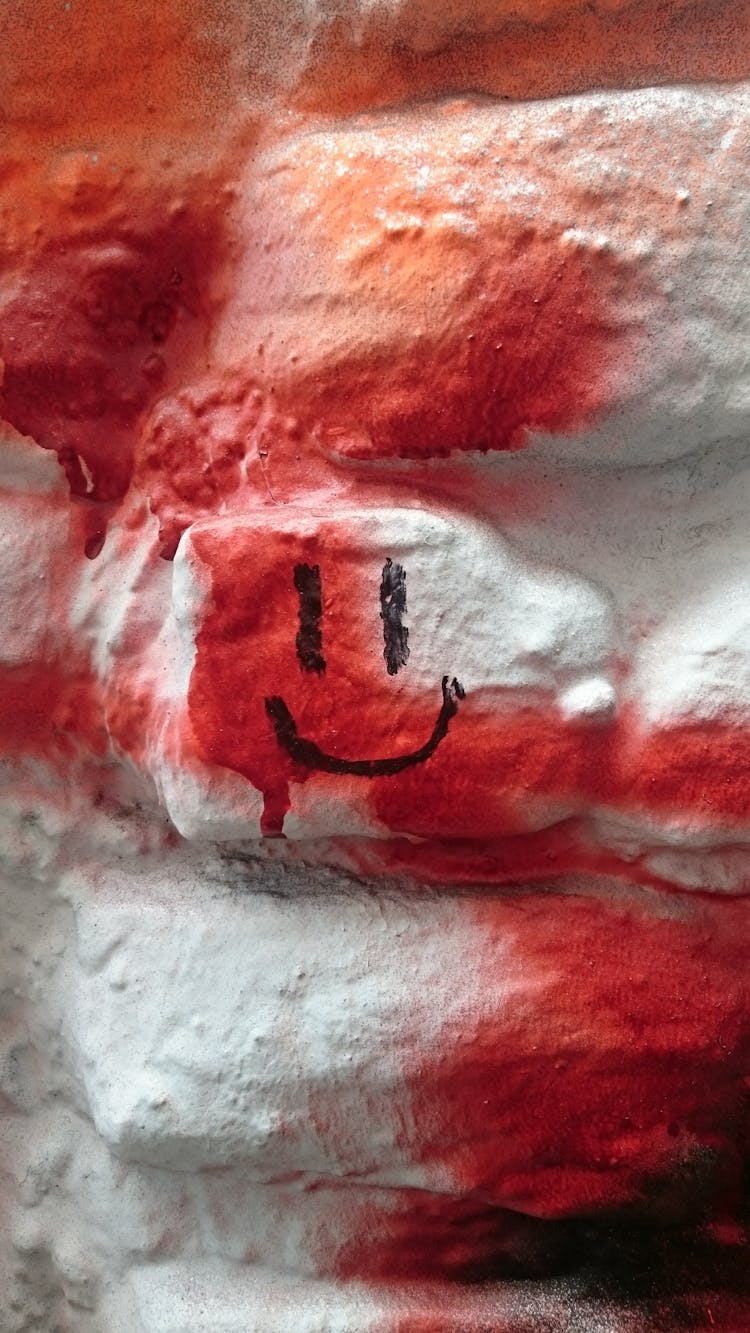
(307, 752)
(309, 635)
(392, 608)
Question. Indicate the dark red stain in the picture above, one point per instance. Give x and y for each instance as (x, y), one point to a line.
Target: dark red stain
(614, 1073)
(598, 1089)
(435, 1316)
(411, 1234)
(97, 325)
(419, 1235)
(516, 859)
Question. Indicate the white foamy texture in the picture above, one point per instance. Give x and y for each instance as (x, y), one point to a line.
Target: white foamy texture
(214, 1297)
(180, 998)
(34, 526)
(656, 179)
(706, 641)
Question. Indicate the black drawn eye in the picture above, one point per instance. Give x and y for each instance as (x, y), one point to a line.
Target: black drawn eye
(309, 635)
(309, 640)
(306, 751)
(392, 608)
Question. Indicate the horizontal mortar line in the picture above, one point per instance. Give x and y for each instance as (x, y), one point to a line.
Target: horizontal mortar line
(486, 101)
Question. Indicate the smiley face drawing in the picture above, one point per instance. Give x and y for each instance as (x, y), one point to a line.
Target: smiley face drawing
(308, 681)
(396, 654)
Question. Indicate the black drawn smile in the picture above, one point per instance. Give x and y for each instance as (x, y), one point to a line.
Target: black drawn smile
(309, 643)
(307, 752)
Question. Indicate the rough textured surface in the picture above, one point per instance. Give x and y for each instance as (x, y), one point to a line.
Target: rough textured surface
(374, 666)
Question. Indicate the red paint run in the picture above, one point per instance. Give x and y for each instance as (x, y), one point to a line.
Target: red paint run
(112, 212)
(522, 858)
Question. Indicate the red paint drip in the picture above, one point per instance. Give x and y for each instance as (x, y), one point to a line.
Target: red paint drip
(99, 321)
